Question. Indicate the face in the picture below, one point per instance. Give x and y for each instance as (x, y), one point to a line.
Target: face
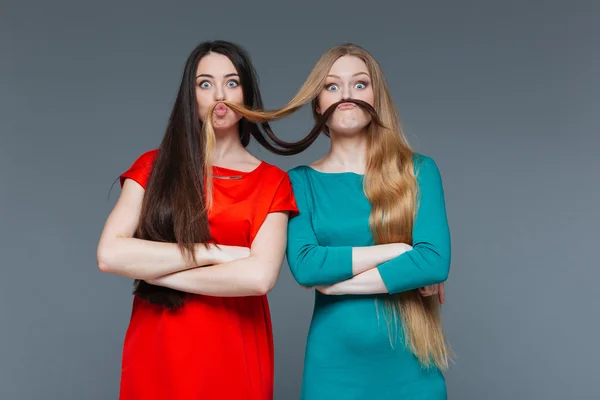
(218, 80)
(348, 78)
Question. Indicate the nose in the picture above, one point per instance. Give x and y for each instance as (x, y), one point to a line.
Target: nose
(346, 92)
(219, 94)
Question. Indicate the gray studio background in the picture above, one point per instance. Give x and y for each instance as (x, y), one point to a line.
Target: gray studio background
(503, 95)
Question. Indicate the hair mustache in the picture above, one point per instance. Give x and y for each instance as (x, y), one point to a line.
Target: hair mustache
(320, 123)
(261, 116)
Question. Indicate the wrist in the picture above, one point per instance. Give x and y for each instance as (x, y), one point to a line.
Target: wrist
(208, 254)
(403, 248)
(218, 255)
(333, 289)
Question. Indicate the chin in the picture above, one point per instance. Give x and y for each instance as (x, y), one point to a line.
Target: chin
(226, 125)
(347, 132)
(348, 129)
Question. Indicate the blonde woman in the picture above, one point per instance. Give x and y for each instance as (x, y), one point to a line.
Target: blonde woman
(371, 236)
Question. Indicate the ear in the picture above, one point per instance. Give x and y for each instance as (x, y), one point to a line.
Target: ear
(318, 109)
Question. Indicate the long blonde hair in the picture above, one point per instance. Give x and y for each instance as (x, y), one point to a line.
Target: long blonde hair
(391, 187)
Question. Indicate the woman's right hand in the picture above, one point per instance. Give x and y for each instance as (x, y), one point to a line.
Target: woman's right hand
(431, 290)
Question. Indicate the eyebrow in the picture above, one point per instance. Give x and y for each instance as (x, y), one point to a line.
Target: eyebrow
(356, 74)
(210, 76)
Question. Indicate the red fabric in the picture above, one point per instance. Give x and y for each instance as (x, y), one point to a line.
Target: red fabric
(213, 347)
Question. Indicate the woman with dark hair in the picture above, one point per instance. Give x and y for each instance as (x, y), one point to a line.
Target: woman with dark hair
(201, 226)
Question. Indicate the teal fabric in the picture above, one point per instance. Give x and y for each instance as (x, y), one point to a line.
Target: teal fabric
(348, 351)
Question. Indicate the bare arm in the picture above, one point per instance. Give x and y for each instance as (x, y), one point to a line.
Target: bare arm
(252, 276)
(366, 258)
(121, 254)
(366, 279)
(370, 282)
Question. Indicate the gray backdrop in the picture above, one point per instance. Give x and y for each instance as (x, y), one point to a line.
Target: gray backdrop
(503, 95)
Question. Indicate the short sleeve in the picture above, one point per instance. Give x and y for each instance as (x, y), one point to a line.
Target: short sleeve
(284, 199)
(141, 169)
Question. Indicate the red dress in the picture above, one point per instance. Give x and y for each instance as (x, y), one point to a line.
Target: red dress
(217, 348)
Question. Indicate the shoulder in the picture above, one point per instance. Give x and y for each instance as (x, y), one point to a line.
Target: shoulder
(140, 170)
(426, 170)
(145, 160)
(148, 157)
(298, 174)
(270, 173)
(275, 189)
(272, 169)
(424, 163)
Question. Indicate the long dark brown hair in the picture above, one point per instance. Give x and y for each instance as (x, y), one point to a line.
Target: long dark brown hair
(174, 207)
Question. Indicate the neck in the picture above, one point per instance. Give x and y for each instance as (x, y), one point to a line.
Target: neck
(349, 152)
(227, 145)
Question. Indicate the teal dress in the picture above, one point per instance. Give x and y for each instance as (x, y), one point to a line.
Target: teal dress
(348, 351)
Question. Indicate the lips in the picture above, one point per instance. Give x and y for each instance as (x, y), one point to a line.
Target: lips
(220, 110)
(346, 106)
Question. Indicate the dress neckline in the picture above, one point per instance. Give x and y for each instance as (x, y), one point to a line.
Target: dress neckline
(228, 173)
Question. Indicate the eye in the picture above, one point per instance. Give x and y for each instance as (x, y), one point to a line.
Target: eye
(331, 87)
(205, 84)
(233, 83)
(361, 85)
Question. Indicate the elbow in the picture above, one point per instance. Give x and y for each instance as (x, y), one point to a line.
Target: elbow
(440, 270)
(264, 284)
(106, 258)
(307, 265)
(303, 278)
(433, 263)
(262, 289)
(104, 267)
(264, 277)
(438, 276)
(306, 281)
